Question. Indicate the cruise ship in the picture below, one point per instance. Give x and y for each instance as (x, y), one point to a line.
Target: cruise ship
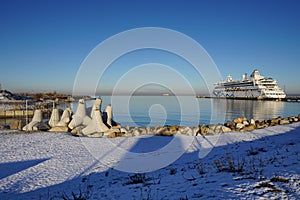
(254, 87)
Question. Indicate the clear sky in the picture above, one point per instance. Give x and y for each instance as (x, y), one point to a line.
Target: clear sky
(44, 42)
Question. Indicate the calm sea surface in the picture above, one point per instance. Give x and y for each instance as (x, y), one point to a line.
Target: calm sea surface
(190, 111)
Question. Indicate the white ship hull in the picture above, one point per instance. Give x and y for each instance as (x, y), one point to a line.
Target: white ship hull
(254, 87)
(247, 95)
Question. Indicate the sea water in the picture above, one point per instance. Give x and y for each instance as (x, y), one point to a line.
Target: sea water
(189, 110)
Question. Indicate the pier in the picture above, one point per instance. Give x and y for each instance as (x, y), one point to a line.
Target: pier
(15, 113)
(292, 98)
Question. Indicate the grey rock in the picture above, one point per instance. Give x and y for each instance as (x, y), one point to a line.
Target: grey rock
(238, 120)
(142, 131)
(128, 134)
(250, 127)
(149, 130)
(202, 130)
(252, 121)
(230, 125)
(239, 126)
(59, 129)
(96, 135)
(218, 129)
(284, 121)
(186, 131)
(136, 132)
(124, 130)
(226, 129)
(246, 123)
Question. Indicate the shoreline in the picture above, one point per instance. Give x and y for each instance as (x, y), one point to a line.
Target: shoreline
(96, 123)
(239, 124)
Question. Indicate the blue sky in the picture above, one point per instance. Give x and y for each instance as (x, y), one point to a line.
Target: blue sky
(43, 43)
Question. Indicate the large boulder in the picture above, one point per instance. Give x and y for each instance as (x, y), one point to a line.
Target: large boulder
(124, 130)
(167, 131)
(136, 131)
(252, 121)
(186, 131)
(143, 130)
(284, 121)
(246, 123)
(230, 124)
(274, 122)
(226, 129)
(250, 127)
(63, 129)
(293, 119)
(239, 126)
(238, 120)
(217, 129)
(149, 130)
(202, 130)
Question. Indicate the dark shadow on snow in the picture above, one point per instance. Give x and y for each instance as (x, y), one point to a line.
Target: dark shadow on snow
(106, 179)
(10, 168)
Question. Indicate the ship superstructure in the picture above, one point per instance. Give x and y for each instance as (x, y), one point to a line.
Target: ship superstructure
(254, 87)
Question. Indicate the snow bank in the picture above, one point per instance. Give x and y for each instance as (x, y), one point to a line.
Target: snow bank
(264, 163)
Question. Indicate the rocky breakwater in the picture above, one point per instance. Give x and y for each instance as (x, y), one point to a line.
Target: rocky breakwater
(242, 124)
(101, 124)
(158, 130)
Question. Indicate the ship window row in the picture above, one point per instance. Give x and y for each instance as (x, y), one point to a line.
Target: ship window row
(239, 89)
(279, 93)
(268, 84)
(238, 85)
(235, 88)
(268, 81)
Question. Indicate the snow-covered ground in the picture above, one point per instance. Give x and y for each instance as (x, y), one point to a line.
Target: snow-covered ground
(263, 164)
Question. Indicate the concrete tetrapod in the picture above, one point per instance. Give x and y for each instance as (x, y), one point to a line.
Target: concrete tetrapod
(65, 118)
(36, 122)
(54, 119)
(80, 117)
(108, 111)
(96, 125)
(62, 125)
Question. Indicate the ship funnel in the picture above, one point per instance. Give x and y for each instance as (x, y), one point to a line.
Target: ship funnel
(244, 76)
(229, 78)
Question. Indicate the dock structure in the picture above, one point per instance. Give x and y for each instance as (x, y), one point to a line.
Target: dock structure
(15, 113)
(292, 98)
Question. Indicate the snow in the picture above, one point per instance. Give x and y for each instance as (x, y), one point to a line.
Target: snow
(263, 164)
